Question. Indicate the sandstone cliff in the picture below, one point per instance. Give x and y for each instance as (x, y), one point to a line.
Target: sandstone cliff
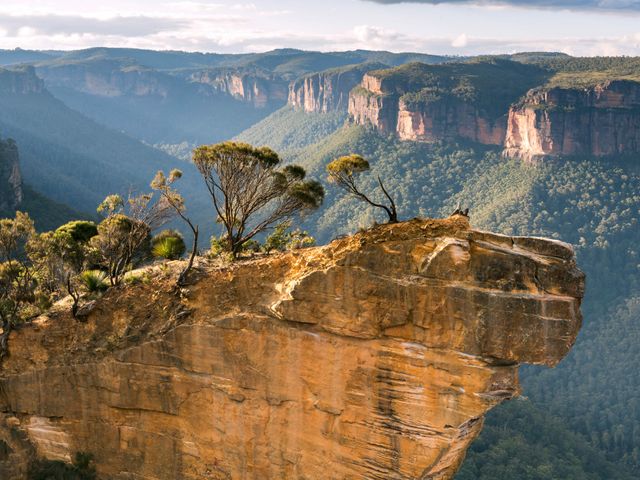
(107, 78)
(259, 90)
(444, 118)
(599, 121)
(10, 177)
(373, 357)
(329, 90)
(431, 103)
(20, 81)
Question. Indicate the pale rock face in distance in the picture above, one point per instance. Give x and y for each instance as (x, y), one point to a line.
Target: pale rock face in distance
(374, 357)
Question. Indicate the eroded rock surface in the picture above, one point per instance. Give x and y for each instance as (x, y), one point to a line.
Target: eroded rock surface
(373, 357)
(599, 121)
(329, 90)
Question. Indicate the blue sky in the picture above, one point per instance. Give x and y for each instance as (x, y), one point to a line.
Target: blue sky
(463, 27)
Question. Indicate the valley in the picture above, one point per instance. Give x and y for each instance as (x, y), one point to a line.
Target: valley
(542, 145)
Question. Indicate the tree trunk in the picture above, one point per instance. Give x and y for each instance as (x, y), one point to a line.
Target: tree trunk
(194, 252)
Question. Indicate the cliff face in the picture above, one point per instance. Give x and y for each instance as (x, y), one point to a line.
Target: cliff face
(445, 118)
(20, 81)
(448, 119)
(10, 177)
(373, 357)
(327, 91)
(107, 78)
(603, 120)
(256, 89)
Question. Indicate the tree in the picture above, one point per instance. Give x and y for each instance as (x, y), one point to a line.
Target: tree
(81, 231)
(124, 236)
(250, 192)
(17, 276)
(164, 185)
(341, 172)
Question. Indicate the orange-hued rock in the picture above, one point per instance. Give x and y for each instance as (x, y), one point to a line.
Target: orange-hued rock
(449, 119)
(261, 90)
(374, 357)
(329, 90)
(599, 121)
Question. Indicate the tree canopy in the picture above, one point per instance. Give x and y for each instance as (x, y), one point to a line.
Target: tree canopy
(251, 192)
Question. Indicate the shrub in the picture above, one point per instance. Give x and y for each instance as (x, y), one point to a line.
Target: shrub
(81, 231)
(168, 244)
(94, 281)
(218, 245)
(282, 239)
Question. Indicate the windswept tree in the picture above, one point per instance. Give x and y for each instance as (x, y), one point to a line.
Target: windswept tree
(342, 172)
(124, 236)
(251, 192)
(164, 185)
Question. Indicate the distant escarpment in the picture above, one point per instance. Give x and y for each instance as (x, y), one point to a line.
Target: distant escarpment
(601, 120)
(261, 90)
(443, 102)
(329, 90)
(503, 103)
(20, 81)
(106, 78)
(10, 177)
(376, 356)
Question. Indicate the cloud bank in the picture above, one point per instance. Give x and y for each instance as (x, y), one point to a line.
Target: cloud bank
(605, 5)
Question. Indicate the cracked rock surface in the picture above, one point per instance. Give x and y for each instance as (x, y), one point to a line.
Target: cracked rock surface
(374, 357)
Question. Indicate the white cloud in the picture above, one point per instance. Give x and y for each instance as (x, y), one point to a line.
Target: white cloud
(460, 41)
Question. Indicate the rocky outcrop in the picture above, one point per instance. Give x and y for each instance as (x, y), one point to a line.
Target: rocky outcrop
(377, 110)
(598, 121)
(374, 357)
(259, 90)
(329, 90)
(107, 78)
(20, 81)
(443, 118)
(448, 118)
(10, 177)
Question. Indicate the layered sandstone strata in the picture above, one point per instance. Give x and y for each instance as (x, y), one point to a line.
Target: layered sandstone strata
(329, 90)
(445, 118)
(599, 121)
(259, 90)
(374, 357)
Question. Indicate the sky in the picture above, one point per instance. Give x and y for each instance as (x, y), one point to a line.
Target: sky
(453, 27)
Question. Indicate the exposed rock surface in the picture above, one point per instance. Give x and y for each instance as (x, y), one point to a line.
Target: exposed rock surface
(430, 103)
(259, 90)
(373, 357)
(329, 90)
(107, 78)
(603, 120)
(10, 177)
(22, 81)
(440, 103)
(448, 118)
